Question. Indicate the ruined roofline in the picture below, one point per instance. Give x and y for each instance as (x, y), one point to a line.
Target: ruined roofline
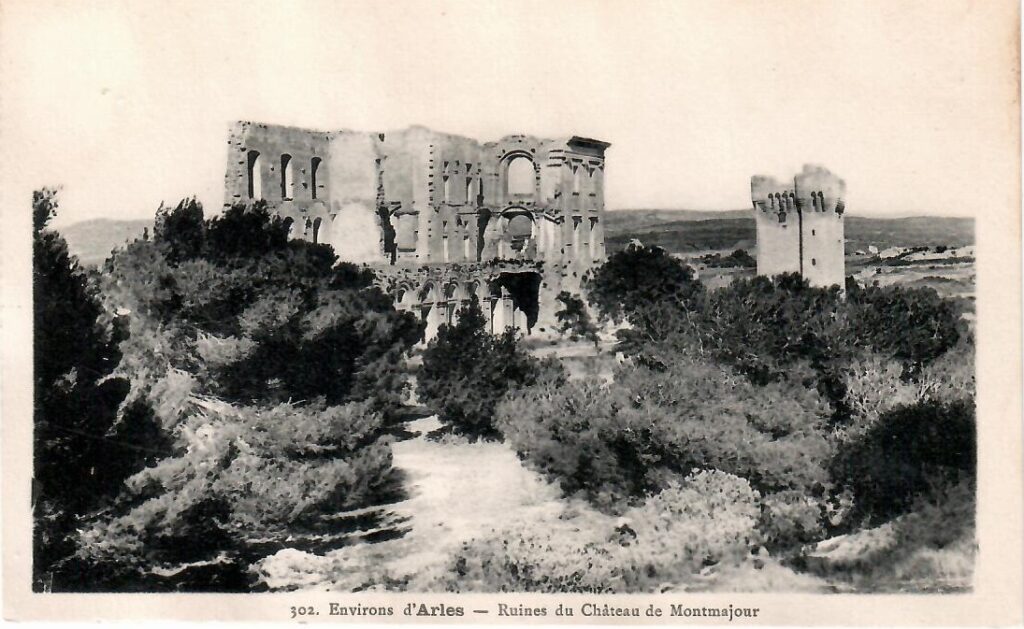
(567, 140)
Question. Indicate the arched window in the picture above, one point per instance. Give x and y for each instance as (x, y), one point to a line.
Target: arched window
(254, 178)
(520, 175)
(289, 224)
(287, 178)
(316, 229)
(314, 170)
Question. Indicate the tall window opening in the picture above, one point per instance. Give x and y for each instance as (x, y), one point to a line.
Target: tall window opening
(447, 189)
(469, 189)
(576, 180)
(520, 175)
(314, 171)
(254, 178)
(287, 178)
(316, 229)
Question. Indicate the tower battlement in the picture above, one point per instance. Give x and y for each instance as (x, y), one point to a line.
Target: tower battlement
(800, 225)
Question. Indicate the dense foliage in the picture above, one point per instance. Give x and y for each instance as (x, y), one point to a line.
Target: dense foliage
(466, 370)
(254, 316)
(631, 281)
(738, 259)
(244, 479)
(616, 444)
(812, 395)
(574, 318)
(908, 453)
(81, 453)
(264, 373)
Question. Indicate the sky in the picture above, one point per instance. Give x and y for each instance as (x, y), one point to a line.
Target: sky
(127, 104)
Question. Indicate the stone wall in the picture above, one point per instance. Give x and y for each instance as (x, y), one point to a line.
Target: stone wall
(418, 197)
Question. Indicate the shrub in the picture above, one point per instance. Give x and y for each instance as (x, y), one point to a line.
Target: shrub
(763, 326)
(906, 454)
(914, 325)
(737, 259)
(648, 427)
(243, 475)
(707, 519)
(791, 518)
(466, 370)
(874, 386)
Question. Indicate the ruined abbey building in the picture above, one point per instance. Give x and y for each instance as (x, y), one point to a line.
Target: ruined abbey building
(800, 226)
(439, 217)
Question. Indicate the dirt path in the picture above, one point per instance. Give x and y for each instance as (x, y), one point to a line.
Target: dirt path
(455, 491)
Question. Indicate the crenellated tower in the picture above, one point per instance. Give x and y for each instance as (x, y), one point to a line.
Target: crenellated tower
(800, 226)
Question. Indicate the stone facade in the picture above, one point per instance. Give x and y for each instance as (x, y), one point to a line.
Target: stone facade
(800, 226)
(438, 216)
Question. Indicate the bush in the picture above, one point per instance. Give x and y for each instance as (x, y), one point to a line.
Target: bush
(913, 325)
(907, 454)
(632, 437)
(737, 259)
(466, 370)
(708, 519)
(243, 476)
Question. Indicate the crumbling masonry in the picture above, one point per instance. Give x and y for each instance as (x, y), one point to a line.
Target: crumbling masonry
(439, 217)
(800, 226)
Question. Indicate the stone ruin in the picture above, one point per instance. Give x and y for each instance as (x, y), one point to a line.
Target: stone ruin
(439, 217)
(800, 226)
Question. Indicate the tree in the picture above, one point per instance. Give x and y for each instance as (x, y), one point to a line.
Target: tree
(633, 279)
(257, 318)
(81, 454)
(573, 318)
(466, 370)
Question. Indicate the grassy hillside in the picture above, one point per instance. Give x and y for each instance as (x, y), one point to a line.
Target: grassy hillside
(93, 240)
(679, 232)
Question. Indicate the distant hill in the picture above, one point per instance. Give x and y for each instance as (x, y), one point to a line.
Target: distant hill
(92, 241)
(633, 220)
(685, 231)
(678, 231)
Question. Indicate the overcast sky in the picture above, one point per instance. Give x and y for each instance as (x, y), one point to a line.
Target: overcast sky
(126, 104)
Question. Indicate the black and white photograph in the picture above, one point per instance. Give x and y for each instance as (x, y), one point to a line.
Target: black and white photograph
(351, 301)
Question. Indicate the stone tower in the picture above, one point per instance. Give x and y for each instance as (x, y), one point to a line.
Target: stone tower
(800, 226)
